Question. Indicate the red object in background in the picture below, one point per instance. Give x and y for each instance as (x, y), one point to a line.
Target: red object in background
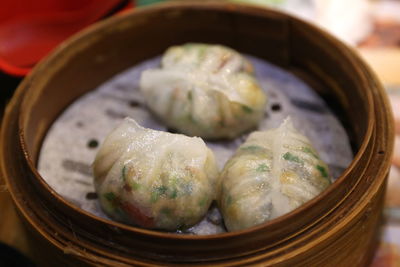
(29, 29)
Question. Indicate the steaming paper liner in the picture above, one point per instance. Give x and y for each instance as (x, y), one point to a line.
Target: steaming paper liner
(72, 142)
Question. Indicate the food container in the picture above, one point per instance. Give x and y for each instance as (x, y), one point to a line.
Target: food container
(339, 227)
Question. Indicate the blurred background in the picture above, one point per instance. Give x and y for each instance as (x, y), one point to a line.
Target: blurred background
(30, 29)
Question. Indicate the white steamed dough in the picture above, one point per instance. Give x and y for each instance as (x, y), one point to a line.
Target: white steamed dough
(154, 179)
(204, 90)
(272, 173)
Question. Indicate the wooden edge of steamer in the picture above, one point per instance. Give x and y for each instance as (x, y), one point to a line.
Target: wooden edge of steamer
(32, 167)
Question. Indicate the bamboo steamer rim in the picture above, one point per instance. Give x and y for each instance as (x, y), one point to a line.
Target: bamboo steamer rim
(27, 101)
(91, 32)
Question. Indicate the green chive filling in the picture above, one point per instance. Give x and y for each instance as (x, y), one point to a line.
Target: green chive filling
(247, 109)
(123, 173)
(135, 186)
(173, 194)
(154, 197)
(322, 170)
(310, 151)
(252, 148)
(290, 157)
(262, 168)
(157, 192)
(229, 200)
(110, 196)
(203, 201)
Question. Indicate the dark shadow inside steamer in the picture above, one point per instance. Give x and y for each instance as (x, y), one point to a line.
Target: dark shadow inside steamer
(296, 46)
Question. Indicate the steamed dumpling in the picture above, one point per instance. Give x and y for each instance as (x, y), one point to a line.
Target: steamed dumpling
(154, 179)
(271, 174)
(204, 90)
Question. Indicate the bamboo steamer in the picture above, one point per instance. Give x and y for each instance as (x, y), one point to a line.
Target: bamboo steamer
(339, 227)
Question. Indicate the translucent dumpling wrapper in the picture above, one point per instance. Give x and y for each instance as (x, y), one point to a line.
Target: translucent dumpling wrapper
(271, 174)
(204, 90)
(154, 179)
